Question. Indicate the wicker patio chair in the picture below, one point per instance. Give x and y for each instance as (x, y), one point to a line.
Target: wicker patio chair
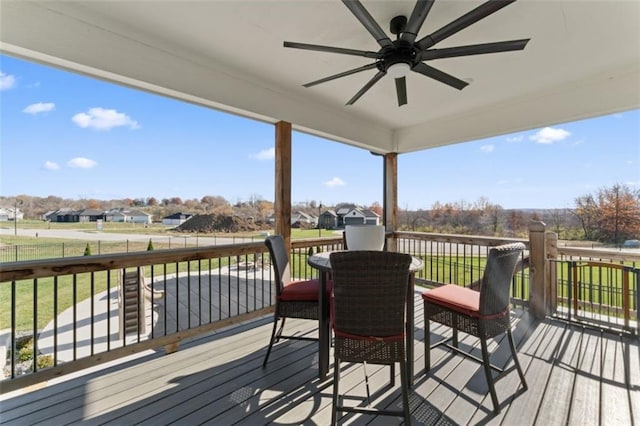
(294, 299)
(483, 314)
(368, 314)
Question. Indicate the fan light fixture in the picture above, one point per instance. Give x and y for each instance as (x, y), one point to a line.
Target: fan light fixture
(398, 70)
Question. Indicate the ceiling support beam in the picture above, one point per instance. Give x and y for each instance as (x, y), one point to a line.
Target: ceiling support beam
(282, 199)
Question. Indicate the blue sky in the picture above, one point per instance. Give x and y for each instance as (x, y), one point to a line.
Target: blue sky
(76, 137)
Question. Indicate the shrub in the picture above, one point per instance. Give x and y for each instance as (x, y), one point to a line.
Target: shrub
(45, 361)
(25, 353)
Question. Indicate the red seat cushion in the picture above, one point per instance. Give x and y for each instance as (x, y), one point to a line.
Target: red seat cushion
(456, 298)
(304, 290)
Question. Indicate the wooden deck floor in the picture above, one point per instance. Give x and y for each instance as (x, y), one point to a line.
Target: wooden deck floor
(576, 376)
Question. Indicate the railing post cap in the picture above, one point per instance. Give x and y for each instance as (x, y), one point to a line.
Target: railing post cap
(536, 225)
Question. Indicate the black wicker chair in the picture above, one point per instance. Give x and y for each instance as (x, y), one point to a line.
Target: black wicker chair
(483, 314)
(294, 299)
(368, 314)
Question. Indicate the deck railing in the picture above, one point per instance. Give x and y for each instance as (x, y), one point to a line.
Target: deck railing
(72, 308)
(598, 287)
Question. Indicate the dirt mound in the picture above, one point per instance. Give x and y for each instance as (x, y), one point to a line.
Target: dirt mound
(208, 223)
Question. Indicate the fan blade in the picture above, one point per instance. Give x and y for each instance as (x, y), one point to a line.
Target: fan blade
(441, 76)
(480, 12)
(342, 74)
(369, 23)
(419, 14)
(366, 87)
(474, 49)
(330, 49)
(401, 90)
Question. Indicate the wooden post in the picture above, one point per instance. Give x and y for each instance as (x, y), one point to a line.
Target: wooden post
(552, 272)
(282, 200)
(391, 197)
(538, 265)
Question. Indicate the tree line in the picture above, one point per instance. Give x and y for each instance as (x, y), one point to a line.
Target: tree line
(610, 215)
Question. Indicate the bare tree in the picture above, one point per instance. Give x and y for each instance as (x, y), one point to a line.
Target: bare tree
(619, 213)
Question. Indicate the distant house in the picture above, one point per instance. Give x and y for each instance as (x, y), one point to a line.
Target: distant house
(90, 215)
(301, 219)
(176, 219)
(115, 215)
(358, 216)
(63, 215)
(48, 215)
(125, 215)
(137, 216)
(342, 210)
(328, 220)
(5, 214)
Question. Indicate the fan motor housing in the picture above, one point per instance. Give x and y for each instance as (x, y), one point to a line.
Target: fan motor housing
(401, 52)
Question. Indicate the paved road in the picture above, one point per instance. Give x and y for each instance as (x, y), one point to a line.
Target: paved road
(84, 234)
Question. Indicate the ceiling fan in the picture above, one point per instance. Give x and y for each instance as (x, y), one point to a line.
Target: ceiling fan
(396, 58)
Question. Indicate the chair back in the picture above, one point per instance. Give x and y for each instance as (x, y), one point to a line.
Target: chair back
(496, 281)
(365, 237)
(280, 261)
(369, 292)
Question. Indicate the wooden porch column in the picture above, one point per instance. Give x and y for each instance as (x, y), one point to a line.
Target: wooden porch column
(551, 241)
(538, 295)
(390, 205)
(282, 200)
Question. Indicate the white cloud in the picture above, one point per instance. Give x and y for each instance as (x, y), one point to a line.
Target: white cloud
(103, 119)
(515, 138)
(81, 163)
(7, 81)
(336, 181)
(487, 148)
(39, 107)
(265, 154)
(549, 135)
(50, 165)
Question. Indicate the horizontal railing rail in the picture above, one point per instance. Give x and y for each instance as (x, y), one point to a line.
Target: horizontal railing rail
(605, 255)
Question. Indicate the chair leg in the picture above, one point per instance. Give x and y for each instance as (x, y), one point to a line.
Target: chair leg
(392, 374)
(404, 384)
(487, 372)
(336, 379)
(366, 382)
(272, 340)
(512, 345)
(279, 333)
(427, 344)
(455, 331)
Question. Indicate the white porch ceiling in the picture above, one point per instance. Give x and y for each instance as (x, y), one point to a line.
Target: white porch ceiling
(583, 60)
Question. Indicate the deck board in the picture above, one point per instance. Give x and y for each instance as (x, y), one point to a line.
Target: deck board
(614, 400)
(632, 356)
(573, 373)
(524, 409)
(527, 340)
(559, 389)
(587, 388)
